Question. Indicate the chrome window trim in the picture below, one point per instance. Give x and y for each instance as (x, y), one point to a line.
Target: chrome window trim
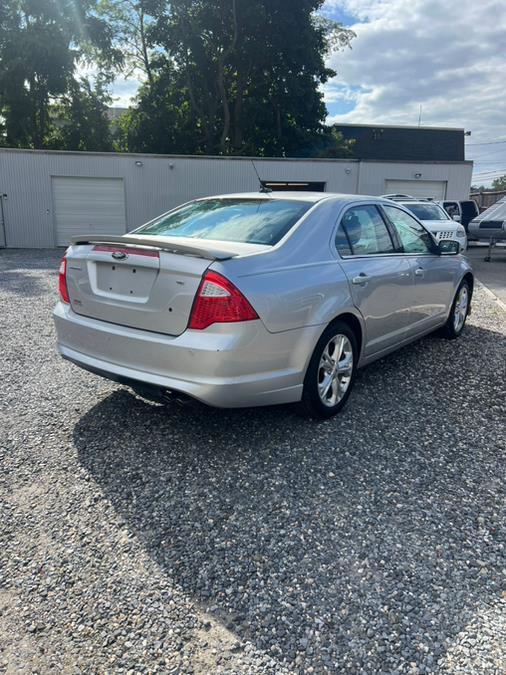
(341, 215)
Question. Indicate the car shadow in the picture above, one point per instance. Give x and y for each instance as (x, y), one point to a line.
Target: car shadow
(359, 540)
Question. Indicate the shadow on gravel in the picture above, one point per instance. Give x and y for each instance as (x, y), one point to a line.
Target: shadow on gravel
(19, 282)
(20, 270)
(34, 259)
(367, 541)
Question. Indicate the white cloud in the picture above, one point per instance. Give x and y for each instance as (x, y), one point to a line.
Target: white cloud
(448, 57)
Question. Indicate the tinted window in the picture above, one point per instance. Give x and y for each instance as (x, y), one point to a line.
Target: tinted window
(253, 221)
(414, 238)
(363, 230)
(342, 243)
(452, 208)
(428, 211)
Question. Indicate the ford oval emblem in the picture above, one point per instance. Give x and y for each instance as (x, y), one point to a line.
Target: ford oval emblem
(119, 255)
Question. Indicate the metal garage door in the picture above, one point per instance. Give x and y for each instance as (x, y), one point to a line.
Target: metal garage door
(87, 205)
(417, 188)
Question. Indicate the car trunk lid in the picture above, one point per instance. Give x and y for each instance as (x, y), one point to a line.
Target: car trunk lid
(140, 282)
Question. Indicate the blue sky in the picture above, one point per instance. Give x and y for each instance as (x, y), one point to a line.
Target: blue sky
(448, 58)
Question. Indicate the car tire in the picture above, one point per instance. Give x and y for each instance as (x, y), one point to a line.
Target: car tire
(327, 384)
(458, 313)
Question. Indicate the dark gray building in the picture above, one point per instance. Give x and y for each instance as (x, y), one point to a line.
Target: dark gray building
(405, 144)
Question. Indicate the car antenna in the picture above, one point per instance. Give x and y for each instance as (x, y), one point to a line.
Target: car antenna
(263, 188)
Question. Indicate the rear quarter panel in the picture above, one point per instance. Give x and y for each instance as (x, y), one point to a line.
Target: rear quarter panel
(298, 283)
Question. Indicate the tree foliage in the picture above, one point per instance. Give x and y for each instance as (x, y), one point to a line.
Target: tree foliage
(237, 77)
(130, 23)
(499, 183)
(42, 42)
(79, 120)
(218, 76)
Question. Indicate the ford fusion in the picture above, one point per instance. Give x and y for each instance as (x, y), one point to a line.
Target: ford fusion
(258, 299)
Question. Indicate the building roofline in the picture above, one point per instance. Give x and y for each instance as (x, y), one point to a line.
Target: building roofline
(351, 160)
(396, 126)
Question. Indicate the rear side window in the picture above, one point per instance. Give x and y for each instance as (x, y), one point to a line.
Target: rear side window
(252, 221)
(362, 231)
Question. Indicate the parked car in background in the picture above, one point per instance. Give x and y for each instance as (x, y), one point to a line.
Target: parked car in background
(490, 226)
(434, 217)
(463, 211)
(256, 299)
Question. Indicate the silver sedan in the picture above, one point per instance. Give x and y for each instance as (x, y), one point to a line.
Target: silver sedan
(258, 299)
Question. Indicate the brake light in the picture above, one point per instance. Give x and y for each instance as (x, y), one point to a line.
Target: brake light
(219, 301)
(62, 281)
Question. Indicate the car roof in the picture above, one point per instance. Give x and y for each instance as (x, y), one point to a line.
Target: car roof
(417, 201)
(312, 197)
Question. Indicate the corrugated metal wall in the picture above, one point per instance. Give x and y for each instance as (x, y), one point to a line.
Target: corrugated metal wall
(155, 183)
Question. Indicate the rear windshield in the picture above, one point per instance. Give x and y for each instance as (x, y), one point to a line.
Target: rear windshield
(252, 221)
(427, 211)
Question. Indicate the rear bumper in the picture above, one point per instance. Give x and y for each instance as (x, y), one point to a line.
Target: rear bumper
(227, 365)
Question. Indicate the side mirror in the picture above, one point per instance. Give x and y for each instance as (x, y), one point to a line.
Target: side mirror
(456, 218)
(448, 247)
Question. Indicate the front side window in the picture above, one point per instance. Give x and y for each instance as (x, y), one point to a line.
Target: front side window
(413, 237)
(362, 231)
(252, 221)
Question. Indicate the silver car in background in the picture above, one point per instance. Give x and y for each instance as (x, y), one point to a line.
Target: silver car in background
(258, 299)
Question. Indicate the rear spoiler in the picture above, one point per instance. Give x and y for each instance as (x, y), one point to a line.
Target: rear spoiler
(145, 242)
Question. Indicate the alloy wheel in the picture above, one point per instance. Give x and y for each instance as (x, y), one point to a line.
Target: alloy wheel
(335, 370)
(461, 307)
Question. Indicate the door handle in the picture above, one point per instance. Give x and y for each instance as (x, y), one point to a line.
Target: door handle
(361, 280)
(419, 272)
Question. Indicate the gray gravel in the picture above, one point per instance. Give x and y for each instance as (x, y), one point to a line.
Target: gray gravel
(138, 538)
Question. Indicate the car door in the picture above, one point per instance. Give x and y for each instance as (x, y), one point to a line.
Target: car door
(432, 275)
(379, 278)
(469, 210)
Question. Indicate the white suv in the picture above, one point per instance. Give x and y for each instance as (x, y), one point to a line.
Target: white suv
(434, 217)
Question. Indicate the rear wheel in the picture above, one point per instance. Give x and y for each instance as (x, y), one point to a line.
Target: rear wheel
(458, 313)
(331, 372)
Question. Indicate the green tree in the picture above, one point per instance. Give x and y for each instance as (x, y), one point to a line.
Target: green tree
(161, 121)
(80, 119)
(499, 183)
(130, 23)
(42, 43)
(237, 77)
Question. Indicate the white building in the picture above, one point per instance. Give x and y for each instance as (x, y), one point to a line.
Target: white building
(49, 196)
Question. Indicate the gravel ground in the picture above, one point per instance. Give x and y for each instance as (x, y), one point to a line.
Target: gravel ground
(138, 538)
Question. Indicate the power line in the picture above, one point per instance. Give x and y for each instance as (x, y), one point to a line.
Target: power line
(486, 176)
(484, 173)
(468, 145)
(492, 170)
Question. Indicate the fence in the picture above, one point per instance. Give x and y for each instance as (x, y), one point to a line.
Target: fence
(486, 199)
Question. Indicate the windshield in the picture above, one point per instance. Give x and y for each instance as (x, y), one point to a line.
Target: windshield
(427, 211)
(252, 221)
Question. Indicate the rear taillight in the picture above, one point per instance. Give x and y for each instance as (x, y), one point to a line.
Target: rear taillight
(219, 301)
(62, 281)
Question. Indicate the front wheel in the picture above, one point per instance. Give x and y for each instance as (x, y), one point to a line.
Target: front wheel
(458, 313)
(331, 372)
